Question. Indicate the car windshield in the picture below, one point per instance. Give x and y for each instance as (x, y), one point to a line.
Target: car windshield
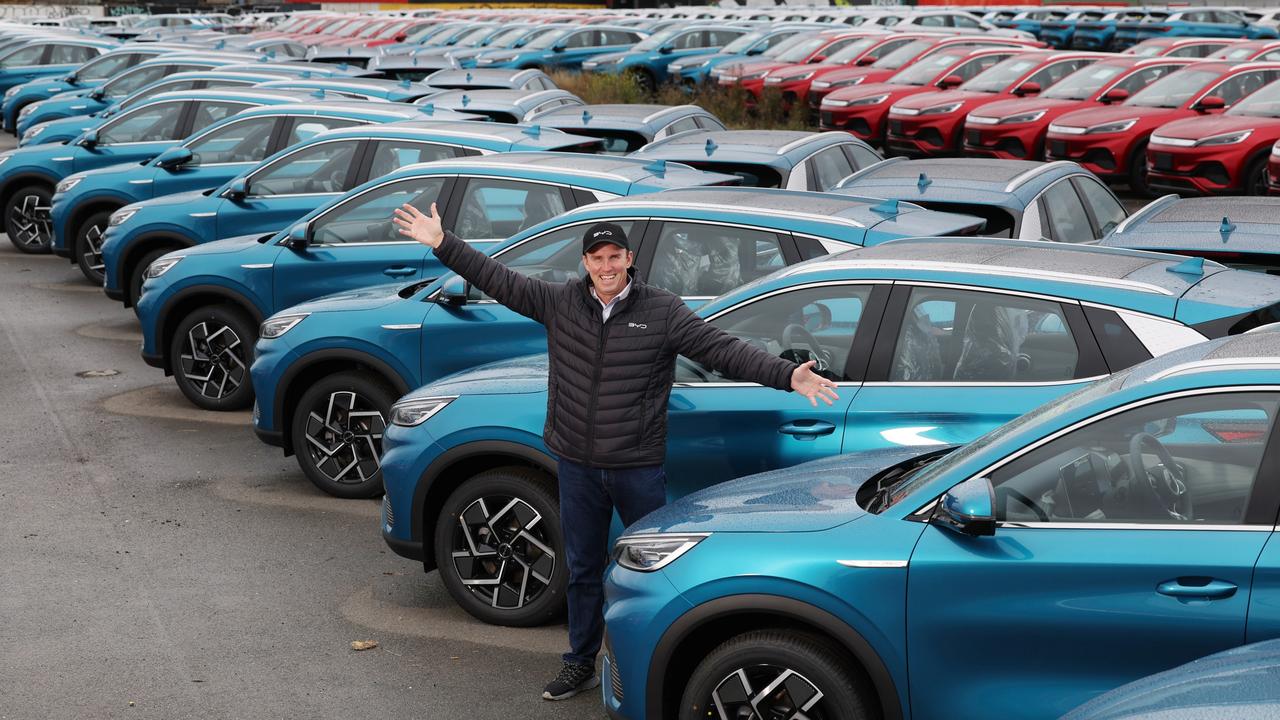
(511, 37)
(370, 30)
(903, 55)
(542, 42)
(1001, 75)
(1262, 103)
(927, 69)
(1174, 90)
(422, 33)
(475, 39)
(777, 50)
(801, 51)
(744, 43)
(853, 50)
(653, 42)
(1233, 53)
(1083, 83)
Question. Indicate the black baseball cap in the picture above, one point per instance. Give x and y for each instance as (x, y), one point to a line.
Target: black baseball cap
(604, 232)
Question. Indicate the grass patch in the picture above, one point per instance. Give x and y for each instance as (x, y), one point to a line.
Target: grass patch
(727, 103)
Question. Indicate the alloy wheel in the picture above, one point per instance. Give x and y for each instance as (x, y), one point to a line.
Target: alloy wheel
(30, 222)
(212, 360)
(766, 692)
(92, 254)
(501, 551)
(344, 438)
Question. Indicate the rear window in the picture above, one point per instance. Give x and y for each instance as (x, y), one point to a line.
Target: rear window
(752, 175)
(999, 223)
(616, 142)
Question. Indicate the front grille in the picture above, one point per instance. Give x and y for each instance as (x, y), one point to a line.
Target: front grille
(895, 127)
(388, 515)
(1058, 148)
(973, 137)
(826, 118)
(1162, 161)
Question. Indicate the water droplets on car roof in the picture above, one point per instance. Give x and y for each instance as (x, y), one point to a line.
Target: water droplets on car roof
(969, 169)
(1240, 209)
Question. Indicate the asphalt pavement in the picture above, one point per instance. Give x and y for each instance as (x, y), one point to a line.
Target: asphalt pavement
(157, 561)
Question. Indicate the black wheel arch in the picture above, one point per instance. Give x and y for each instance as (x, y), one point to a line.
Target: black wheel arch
(82, 214)
(318, 364)
(452, 468)
(187, 301)
(700, 630)
(139, 249)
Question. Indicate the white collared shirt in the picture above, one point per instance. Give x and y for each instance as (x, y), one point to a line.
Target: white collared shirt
(608, 306)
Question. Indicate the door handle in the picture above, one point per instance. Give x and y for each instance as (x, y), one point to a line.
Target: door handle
(399, 271)
(1197, 588)
(807, 429)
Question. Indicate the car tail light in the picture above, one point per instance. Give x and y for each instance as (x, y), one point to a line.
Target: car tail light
(1236, 432)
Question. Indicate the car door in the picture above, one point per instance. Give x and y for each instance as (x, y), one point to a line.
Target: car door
(720, 427)
(1123, 547)
(953, 362)
(576, 47)
(136, 135)
(218, 155)
(21, 65)
(354, 243)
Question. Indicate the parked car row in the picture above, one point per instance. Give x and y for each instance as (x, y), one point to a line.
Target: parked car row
(1110, 375)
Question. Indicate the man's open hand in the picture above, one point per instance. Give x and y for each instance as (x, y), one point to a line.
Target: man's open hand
(420, 226)
(812, 385)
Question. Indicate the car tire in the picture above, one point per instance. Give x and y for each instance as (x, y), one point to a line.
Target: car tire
(209, 356)
(88, 246)
(1255, 177)
(133, 281)
(743, 666)
(26, 219)
(503, 525)
(644, 80)
(337, 431)
(1138, 172)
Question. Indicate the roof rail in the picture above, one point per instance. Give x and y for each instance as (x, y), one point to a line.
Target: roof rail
(866, 170)
(1037, 170)
(1244, 363)
(1145, 210)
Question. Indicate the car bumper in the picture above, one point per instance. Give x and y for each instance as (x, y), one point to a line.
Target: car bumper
(407, 453)
(1103, 156)
(918, 135)
(1201, 171)
(639, 609)
(1012, 142)
(866, 122)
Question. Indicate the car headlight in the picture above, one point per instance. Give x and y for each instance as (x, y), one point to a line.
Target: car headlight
(1225, 138)
(1275, 151)
(1025, 117)
(408, 413)
(840, 83)
(942, 109)
(67, 183)
(1066, 129)
(646, 553)
(278, 325)
(692, 66)
(160, 266)
(121, 216)
(820, 85)
(27, 111)
(1111, 127)
(754, 75)
(876, 100)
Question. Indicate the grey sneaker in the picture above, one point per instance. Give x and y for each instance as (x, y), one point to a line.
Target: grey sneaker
(573, 679)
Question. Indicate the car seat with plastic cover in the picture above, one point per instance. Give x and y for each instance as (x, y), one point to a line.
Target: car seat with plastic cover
(992, 343)
(919, 354)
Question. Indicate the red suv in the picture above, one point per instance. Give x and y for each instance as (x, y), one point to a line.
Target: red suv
(1217, 154)
(1112, 141)
(1248, 50)
(804, 49)
(861, 109)
(1015, 129)
(932, 124)
(1180, 47)
(793, 81)
(904, 56)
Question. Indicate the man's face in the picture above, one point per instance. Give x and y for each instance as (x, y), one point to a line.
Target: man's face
(607, 265)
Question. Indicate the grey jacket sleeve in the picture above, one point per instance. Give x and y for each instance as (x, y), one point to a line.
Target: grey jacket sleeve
(695, 338)
(528, 296)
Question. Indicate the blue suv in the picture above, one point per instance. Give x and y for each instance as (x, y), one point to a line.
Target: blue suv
(83, 202)
(1121, 530)
(566, 48)
(49, 57)
(697, 243)
(696, 69)
(930, 341)
(224, 289)
(647, 62)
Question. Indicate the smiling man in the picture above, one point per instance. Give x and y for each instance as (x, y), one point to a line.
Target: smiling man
(612, 342)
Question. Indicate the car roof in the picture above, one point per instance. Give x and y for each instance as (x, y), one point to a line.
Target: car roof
(618, 116)
(987, 180)
(357, 108)
(1218, 223)
(495, 136)
(480, 75)
(774, 147)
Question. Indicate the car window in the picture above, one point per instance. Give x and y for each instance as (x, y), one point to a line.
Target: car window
(1180, 461)
(976, 65)
(307, 128)
(25, 56)
(145, 124)
(1197, 50)
(243, 141)
(679, 126)
(933, 21)
(1051, 74)
(582, 39)
(367, 217)
(321, 168)
(704, 260)
(861, 156)
(493, 208)
(706, 122)
(391, 155)
(966, 22)
(801, 325)
(106, 66)
(830, 166)
(1144, 77)
(1242, 84)
(1107, 211)
(950, 335)
(720, 38)
(615, 37)
(1066, 219)
(554, 256)
(68, 54)
(209, 112)
(687, 41)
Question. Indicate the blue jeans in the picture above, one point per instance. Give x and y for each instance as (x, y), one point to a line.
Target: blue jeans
(588, 497)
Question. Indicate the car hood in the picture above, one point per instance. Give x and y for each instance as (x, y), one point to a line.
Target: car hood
(809, 497)
(1203, 126)
(180, 200)
(870, 74)
(714, 58)
(1239, 684)
(520, 375)
(858, 92)
(798, 69)
(942, 97)
(1114, 113)
(750, 68)
(240, 243)
(365, 298)
(1018, 106)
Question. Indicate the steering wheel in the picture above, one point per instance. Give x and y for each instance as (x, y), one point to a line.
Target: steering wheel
(1166, 481)
(794, 331)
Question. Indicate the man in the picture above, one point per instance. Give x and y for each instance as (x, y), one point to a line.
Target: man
(612, 342)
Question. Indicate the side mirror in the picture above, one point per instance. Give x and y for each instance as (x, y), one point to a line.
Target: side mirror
(97, 94)
(1115, 95)
(455, 291)
(299, 237)
(754, 51)
(173, 158)
(71, 79)
(400, 37)
(865, 60)
(557, 49)
(238, 189)
(951, 81)
(968, 508)
(1027, 88)
(817, 58)
(89, 140)
(665, 49)
(1209, 104)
